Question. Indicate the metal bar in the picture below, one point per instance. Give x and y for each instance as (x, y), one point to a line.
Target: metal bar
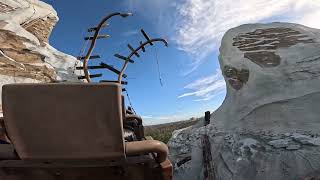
(143, 49)
(93, 42)
(104, 65)
(147, 37)
(92, 67)
(129, 160)
(123, 58)
(140, 47)
(183, 161)
(95, 28)
(91, 76)
(91, 57)
(135, 52)
(207, 118)
(122, 82)
(98, 37)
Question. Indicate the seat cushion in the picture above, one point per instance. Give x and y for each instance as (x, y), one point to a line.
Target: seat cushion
(7, 152)
(64, 121)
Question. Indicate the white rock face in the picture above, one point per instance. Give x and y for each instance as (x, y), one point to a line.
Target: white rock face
(25, 55)
(268, 126)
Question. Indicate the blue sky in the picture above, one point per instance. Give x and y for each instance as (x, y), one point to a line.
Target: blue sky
(189, 68)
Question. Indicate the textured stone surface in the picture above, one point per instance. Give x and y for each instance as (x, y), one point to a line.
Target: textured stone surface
(260, 45)
(5, 8)
(41, 28)
(235, 77)
(268, 125)
(25, 55)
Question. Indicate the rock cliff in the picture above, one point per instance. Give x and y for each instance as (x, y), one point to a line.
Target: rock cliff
(268, 125)
(25, 55)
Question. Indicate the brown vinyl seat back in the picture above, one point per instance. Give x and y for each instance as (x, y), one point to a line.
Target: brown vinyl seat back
(64, 121)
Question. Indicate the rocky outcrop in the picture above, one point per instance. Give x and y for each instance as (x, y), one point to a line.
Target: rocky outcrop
(268, 125)
(25, 55)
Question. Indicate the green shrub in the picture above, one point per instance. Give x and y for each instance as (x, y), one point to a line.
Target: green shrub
(163, 132)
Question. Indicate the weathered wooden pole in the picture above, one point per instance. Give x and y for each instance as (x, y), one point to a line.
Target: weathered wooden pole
(208, 166)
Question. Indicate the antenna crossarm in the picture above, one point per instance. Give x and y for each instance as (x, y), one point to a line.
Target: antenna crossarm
(136, 50)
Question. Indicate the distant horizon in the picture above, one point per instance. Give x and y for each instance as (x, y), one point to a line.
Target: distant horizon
(189, 71)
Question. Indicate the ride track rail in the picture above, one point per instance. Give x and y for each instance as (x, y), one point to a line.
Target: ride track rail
(127, 59)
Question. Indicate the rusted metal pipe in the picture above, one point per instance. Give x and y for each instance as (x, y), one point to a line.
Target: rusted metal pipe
(94, 39)
(148, 146)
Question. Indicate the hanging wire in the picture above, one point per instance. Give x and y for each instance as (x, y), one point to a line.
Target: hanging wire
(158, 67)
(84, 46)
(128, 97)
(81, 52)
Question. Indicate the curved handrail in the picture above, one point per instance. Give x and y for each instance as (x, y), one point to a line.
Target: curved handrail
(148, 146)
(94, 39)
(135, 51)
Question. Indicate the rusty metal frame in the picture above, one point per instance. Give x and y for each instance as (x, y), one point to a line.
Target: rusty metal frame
(94, 39)
(142, 46)
(148, 146)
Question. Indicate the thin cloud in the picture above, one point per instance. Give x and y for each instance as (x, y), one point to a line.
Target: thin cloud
(147, 116)
(206, 88)
(201, 23)
(158, 12)
(197, 26)
(130, 33)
